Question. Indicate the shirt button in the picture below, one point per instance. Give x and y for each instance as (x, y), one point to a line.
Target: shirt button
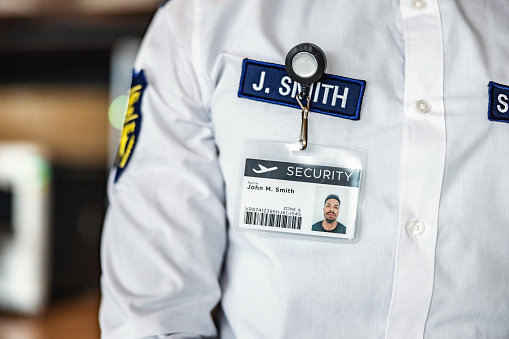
(415, 228)
(419, 4)
(423, 106)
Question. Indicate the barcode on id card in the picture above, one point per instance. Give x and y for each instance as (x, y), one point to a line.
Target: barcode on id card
(272, 220)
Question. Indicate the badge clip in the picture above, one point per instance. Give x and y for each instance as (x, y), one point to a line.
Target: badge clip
(303, 140)
(305, 64)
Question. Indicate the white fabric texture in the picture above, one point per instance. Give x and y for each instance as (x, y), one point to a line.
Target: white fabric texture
(168, 254)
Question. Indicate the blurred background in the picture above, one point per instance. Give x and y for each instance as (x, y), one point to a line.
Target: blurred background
(64, 78)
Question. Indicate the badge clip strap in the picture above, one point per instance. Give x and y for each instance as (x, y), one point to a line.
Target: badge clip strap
(305, 64)
(303, 140)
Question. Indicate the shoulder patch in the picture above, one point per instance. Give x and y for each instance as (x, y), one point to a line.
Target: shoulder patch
(132, 123)
(498, 109)
(332, 95)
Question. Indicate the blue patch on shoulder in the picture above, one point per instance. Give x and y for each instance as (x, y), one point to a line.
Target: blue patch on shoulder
(132, 123)
(499, 102)
(332, 95)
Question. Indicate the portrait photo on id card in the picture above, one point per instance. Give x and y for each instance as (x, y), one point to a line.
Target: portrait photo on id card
(331, 210)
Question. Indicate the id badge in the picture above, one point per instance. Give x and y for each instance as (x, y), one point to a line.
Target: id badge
(312, 192)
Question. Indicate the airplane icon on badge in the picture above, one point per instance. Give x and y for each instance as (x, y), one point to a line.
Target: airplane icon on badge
(264, 169)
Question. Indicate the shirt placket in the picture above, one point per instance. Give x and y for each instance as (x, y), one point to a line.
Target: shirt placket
(422, 161)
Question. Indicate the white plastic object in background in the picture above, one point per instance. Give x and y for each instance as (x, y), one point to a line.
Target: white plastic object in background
(24, 251)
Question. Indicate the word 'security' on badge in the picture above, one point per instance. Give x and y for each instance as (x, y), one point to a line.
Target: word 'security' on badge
(499, 102)
(281, 190)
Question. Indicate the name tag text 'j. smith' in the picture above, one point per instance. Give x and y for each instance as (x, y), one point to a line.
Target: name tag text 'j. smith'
(332, 95)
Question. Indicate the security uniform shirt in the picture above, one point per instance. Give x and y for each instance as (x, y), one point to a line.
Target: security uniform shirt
(430, 255)
(340, 228)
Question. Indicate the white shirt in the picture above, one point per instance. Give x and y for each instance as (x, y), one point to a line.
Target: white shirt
(430, 259)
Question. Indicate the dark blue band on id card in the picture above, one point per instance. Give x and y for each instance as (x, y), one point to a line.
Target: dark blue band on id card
(332, 95)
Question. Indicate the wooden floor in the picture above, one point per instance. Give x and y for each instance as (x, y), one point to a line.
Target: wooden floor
(75, 318)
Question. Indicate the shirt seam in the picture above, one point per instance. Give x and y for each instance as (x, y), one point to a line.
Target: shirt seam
(196, 46)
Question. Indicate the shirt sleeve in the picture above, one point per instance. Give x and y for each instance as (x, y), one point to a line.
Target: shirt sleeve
(165, 230)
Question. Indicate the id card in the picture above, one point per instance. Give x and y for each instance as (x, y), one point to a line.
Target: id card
(314, 192)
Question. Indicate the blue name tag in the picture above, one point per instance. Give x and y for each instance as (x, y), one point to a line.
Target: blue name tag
(499, 102)
(332, 95)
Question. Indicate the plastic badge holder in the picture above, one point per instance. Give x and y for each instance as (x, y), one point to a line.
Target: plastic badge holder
(284, 190)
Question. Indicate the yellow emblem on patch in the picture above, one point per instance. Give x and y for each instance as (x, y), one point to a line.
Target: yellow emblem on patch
(132, 123)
